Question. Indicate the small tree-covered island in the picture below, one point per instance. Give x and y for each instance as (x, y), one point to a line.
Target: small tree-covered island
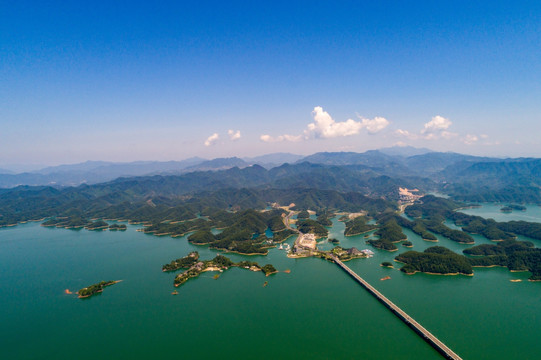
(95, 288)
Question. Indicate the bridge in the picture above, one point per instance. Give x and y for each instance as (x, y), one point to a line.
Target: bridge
(418, 328)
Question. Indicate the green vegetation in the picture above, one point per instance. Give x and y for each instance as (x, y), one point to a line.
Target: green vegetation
(182, 263)
(357, 226)
(74, 222)
(494, 230)
(118, 227)
(407, 244)
(436, 260)
(382, 244)
(97, 225)
(312, 226)
(386, 264)
(390, 231)
(347, 254)
(433, 207)
(283, 235)
(324, 217)
(202, 237)
(417, 227)
(452, 234)
(94, 289)
(517, 207)
(276, 223)
(268, 269)
(220, 262)
(515, 255)
(303, 215)
(243, 231)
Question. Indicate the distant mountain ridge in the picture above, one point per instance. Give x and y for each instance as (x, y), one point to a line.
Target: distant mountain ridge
(373, 172)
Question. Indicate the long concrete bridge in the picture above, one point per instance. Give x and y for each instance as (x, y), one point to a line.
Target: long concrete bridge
(418, 328)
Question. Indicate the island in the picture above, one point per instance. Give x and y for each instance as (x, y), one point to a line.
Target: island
(513, 254)
(389, 233)
(435, 260)
(117, 227)
(95, 288)
(182, 263)
(510, 207)
(97, 225)
(348, 254)
(219, 263)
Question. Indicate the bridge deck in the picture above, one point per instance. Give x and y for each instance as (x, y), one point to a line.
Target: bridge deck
(419, 329)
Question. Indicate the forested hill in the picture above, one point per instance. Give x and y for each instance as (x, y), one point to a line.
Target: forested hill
(310, 186)
(373, 173)
(25, 203)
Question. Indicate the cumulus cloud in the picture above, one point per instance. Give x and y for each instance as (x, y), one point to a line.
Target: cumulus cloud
(234, 135)
(438, 128)
(211, 140)
(437, 124)
(375, 125)
(325, 127)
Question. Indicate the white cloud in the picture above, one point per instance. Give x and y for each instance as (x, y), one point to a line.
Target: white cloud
(437, 124)
(433, 130)
(270, 139)
(375, 125)
(325, 127)
(406, 134)
(212, 139)
(470, 139)
(234, 135)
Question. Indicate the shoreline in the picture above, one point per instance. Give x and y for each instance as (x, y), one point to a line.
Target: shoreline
(364, 232)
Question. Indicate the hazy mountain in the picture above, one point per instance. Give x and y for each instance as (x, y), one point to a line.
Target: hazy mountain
(5, 171)
(217, 164)
(434, 162)
(368, 158)
(81, 167)
(404, 151)
(92, 172)
(272, 160)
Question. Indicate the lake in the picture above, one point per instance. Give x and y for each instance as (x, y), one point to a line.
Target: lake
(315, 311)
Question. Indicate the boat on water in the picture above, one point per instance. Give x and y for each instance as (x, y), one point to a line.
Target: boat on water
(281, 247)
(385, 278)
(174, 293)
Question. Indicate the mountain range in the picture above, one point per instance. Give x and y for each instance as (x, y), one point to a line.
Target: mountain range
(374, 172)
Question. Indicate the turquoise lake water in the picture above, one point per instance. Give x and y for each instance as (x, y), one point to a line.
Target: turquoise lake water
(316, 311)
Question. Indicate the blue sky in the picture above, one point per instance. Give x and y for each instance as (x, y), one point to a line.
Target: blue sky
(144, 81)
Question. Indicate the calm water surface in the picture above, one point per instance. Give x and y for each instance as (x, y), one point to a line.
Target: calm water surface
(316, 311)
